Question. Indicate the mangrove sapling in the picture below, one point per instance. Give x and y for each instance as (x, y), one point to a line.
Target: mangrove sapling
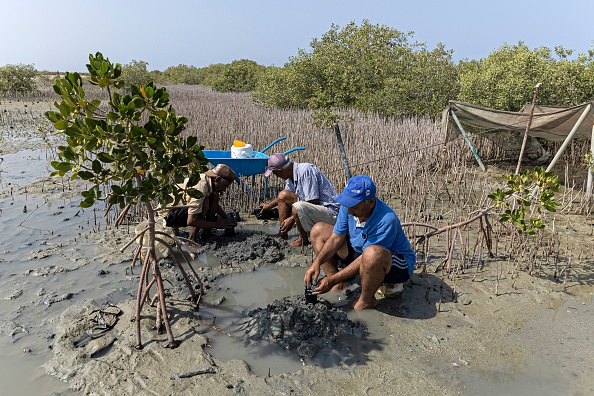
(130, 142)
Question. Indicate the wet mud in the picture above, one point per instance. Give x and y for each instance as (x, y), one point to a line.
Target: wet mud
(67, 308)
(295, 324)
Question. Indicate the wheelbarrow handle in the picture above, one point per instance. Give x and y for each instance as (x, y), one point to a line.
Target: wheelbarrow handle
(294, 149)
(280, 139)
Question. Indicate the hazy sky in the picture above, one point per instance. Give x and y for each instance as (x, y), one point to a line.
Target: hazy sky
(58, 35)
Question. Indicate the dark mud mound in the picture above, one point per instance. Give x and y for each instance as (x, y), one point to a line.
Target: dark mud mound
(295, 324)
(244, 246)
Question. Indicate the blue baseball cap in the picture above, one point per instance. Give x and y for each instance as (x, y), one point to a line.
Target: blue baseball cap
(359, 188)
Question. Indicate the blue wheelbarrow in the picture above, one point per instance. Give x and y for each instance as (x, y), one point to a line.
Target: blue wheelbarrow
(244, 166)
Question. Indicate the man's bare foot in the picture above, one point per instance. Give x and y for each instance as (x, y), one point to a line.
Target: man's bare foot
(360, 305)
(299, 242)
(280, 235)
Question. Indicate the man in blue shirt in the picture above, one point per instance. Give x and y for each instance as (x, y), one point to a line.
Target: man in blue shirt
(308, 197)
(367, 239)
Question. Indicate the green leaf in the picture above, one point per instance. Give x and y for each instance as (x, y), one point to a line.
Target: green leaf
(52, 116)
(97, 168)
(69, 154)
(62, 166)
(104, 157)
(86, 175)
(192, 140)
(113, 117)
(61, 125)
(104, 82)
(86, 204)
(149, 91)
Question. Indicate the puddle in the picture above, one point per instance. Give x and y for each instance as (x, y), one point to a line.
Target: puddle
(24, 167)
(256, 289)
(533, 381)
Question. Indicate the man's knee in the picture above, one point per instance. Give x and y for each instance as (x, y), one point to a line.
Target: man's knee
(287, 197)
(321, 230)
(376, 255)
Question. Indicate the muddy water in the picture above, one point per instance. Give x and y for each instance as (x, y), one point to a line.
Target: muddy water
(50, 259)
(22, 168)
(242, 293)
(248, 291)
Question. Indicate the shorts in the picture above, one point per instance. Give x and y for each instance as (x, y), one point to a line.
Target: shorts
(398, 272)
(310, 214)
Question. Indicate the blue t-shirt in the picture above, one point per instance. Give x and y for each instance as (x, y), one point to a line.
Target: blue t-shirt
(382, 228)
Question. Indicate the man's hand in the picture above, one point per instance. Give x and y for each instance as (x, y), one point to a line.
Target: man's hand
(312, 274)
(264, 207)
(324, 285)
(286, 225)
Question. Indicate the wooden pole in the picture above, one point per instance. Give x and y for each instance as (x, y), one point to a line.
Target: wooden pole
(528, 127)
(566, 142)
(569, 137)
(590, 174)
(345, 163)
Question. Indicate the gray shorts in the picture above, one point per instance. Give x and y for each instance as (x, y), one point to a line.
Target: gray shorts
(310, 214)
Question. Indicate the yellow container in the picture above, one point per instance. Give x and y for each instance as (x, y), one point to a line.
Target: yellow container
(238, 143)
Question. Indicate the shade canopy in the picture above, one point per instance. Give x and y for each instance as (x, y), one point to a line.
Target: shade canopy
(549, 122)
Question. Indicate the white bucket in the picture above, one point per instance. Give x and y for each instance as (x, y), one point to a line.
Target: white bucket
(242, 152)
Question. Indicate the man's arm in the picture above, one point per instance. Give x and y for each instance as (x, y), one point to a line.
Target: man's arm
(333, 243)
(197, 222)
(269, 205)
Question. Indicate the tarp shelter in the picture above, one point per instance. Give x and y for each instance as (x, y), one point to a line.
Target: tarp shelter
(554, 123)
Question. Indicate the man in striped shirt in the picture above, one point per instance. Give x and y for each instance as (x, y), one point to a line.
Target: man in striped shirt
(308, 197)
(367, 240)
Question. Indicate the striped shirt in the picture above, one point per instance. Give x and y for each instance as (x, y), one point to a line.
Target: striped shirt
(309, 183)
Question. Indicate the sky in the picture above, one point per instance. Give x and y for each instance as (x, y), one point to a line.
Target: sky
(58, 35)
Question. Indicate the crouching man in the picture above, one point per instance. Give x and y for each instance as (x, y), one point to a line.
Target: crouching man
(201, 213)
(308, 197)
(367, 240)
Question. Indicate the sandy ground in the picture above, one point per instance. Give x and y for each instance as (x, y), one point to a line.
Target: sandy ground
(440, 336)
(533, 338)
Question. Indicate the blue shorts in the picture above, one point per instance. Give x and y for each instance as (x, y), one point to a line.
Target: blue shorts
(398, 273)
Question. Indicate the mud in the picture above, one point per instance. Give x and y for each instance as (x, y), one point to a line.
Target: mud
(244, 247)
(494, 329)
(295, 324)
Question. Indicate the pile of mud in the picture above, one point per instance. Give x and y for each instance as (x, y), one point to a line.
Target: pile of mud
(245, 246)
(295, 324)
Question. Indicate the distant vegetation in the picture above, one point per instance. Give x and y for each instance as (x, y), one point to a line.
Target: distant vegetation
(18, 78)
(377, 69)
(370, 68)
(506, 79)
